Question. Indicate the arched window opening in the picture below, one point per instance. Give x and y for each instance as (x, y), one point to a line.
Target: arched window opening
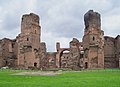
(6, 63)
(86, 65)
(35, 64)
(93, 38)
(27, 39)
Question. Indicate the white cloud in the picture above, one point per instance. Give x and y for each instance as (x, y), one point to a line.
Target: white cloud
(111, 25)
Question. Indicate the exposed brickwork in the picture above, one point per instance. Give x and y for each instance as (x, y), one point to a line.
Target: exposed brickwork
(93, 40)
(69, 57)
(27, 50)
(31, 53)
(61, 56)
(8, 53)
(51, 58)
(74, 62)
(111, 51)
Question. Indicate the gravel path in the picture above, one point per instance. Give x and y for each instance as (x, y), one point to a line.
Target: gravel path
(42, 73)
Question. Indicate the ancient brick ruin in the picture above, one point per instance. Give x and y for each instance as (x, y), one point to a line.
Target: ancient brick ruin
(93, 40)
(26, 51)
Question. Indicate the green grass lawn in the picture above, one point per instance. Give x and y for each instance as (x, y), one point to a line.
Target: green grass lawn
(95, 78)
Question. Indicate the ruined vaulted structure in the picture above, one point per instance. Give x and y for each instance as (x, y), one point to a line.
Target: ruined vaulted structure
(93, 40)
(26, 51)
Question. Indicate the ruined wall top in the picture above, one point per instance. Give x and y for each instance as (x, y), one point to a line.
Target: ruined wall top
(74, 43)
(92, 19)
(74, 40)
(30, 19)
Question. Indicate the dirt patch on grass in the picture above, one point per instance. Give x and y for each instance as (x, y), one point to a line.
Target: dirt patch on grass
(42, 73)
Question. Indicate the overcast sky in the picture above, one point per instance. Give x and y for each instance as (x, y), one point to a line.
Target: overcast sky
(61, 20)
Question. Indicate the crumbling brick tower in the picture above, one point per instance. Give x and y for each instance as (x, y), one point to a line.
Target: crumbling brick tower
(93, 41)
(74, 54)
(29, 41)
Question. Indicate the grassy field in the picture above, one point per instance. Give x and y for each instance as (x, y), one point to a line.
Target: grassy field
(92, 78)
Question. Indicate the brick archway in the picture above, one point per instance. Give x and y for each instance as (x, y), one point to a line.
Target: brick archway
(61, 53)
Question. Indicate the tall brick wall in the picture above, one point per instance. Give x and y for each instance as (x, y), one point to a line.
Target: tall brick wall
(7, 55)
(74, 58)
(29, 41)
(96, 51)
(111, 51)
(93, 40)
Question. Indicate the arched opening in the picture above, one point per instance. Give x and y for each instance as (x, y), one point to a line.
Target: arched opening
(6, 63)
(86, 65)
(35, 31)
(35, 64)
(27, 39)
(63, 58)
(93, 38)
